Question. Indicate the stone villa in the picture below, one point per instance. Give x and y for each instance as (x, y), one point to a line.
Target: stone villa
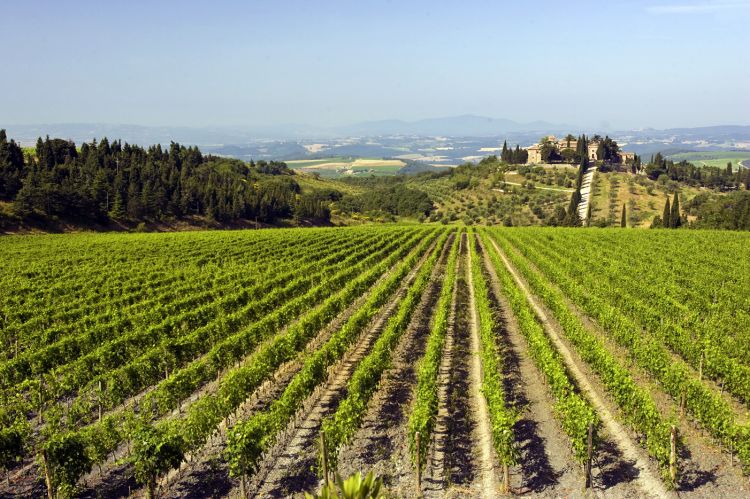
(535, 152)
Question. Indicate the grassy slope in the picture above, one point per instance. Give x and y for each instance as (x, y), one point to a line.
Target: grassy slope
(642, 197)
(485, 204)
(308, 183)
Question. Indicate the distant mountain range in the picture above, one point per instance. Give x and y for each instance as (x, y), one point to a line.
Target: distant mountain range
(469, 136)
(457, 126)
(467, 125)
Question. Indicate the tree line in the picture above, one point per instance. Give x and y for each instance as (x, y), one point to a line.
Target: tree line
(104, 181)
(670, 218)
(515, 156)
(699, 176)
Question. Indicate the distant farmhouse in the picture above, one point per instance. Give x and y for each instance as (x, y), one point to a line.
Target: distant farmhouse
(570, 143)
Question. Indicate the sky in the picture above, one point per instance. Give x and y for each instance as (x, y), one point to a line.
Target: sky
(614, 64)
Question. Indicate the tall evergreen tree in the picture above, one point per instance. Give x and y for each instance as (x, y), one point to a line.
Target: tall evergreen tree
(504, 155)
(674, 217)
(623, 218)
(666, 215)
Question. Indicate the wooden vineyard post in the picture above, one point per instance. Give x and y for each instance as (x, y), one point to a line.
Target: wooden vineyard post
(683, 401)
(506, 478)
(243, 485)
(41, 399)
(47, 477)
(419, 465)
(324, 454)
(673, 456)
(589, 455)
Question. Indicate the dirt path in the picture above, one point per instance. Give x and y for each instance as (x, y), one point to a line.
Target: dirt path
(488, 472)
(381, 445)
(547, 467)
(641, 470)
(288, 468)
(537, 187)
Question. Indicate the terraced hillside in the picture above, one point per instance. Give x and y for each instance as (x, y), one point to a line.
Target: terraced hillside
(452, 363)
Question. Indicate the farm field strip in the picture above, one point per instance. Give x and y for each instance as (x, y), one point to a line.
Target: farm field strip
(424, 412)
(544, 453)
(574, 412)
(433, 382)
(495, 420)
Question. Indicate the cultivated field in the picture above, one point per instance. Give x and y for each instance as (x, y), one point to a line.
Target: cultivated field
(339, 166)
(718, 159)
(492, 360)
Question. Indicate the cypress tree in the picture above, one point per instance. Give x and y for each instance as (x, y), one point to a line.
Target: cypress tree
(623, 219)
(674, 218)
(665, 217)
(588, 215)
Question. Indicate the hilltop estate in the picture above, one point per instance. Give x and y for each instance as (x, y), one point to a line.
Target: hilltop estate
(566, 148)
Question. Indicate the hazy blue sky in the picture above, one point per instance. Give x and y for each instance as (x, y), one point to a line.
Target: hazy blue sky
(627, 64)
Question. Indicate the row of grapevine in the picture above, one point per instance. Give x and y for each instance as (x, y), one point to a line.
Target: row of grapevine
(424, 410)
(502, 418)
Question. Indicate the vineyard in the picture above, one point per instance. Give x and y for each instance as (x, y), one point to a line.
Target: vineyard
(449, 362)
